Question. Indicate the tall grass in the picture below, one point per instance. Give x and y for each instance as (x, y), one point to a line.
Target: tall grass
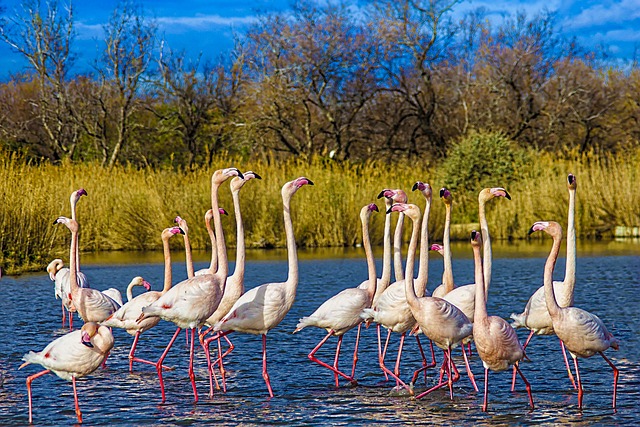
(126, 208)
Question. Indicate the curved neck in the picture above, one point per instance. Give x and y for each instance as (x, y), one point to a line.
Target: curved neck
(130, 291)
(223, 266)
(238, 271)
(292, 251)
(447, 275)
(411, 255)
(371, 263)
(167, 264)
(397, 249)
(549, 295)
(486, 245)
(480, 310)
(213, 266)
(188, 258)
(423, 266)
(570, 266)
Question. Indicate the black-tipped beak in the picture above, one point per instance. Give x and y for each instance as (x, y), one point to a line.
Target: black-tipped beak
(442, 192)
(473, 235)
(571, 179)
(389, 210)
(414, 188)
(55, 222)
(256, 176)
(309, 182)
(381, 194)
(181, 230)
(87, 343)
(531, 231)
(240, 174)
(507, 195)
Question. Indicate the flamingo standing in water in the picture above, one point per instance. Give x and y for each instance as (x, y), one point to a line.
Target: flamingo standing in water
(262, 308)
(126, 317)
(496, 341)
(583, 333)
(341, 313)
(189, 303)
(60, 275)
(442, 322)
(535, 316)
(234, 287)
(71, 356)
(91, 304)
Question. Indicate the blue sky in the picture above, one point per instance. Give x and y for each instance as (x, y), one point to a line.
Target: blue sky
(207, 25)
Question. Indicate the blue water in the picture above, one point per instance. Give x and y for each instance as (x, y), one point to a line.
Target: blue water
(304, 392)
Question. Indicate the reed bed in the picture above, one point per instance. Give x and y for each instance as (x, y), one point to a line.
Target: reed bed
(127, 208)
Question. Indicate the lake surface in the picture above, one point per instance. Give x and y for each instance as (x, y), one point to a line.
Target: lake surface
(608, 284)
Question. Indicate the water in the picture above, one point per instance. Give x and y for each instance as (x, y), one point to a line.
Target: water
(304, 392)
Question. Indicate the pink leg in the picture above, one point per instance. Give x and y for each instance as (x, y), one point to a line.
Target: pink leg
(615, 377)
(526, 384)
(159, 362)
(449, 373)
(355, 352)
(335, 361)
(75, 399)
(132, 358)
(63, 314)
(469, 347)
(386, 377)
(265, 374)
(387, 371)
(71, 321)
(486, 390)
(425, 366)
(445, 367)
(321, 363)
(29, 381)
(384, 354)
(566, 363)
(575, 362)
(513, 375)
(469, 373)
(192, 376)
(223, 373)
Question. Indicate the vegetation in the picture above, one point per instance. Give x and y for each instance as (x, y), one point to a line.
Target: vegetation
(126, 208)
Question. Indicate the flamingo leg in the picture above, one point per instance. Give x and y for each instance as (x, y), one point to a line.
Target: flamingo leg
(29, 381)
(355, 352)
(231, 346)
(575, 362)
(449, 373)
(205, 346)
(386, 377)
(524, 347)
(335, 361)
(425, 366)
(75, 399)
(223, 372)
(615, 377)
(566, 363)
(132, 358)
(192, 376)
(469, 347)
(265, 374)
(486, 390)
(71, 321)
(64, 316)
(159, 362)
(527, 385)
(440, 384)
(469, 372)
(387, 371)
(383, 355)
(312, 357)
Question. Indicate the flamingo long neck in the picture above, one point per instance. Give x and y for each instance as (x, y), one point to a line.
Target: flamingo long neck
(570, 267)
(292, 251)
(410, 291)
(371, 262)
(549, 295)
(238, 271)
(385, 279)
(447, 275)
(223, 265)
(480, 310)
(167, 264)
(73, 269)
(423, 265)
(130, 291)
(213, 266)
(74, 200)
(188, 257)
(397, 249)
(486, 246)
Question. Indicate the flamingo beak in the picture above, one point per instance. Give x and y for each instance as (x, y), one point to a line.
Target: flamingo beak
(86, 339)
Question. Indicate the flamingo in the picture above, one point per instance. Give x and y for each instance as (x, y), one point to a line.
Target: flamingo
(189, 303)
(262, 308)
(234, 287)
(391, 309)
(583, 333)
(442, 322)
(136, 281)
(126, 317)
(91, 304)
(535, 316)
(60, 275)
(496, 341)
(213, 266)
(73, 355)
(341, 313)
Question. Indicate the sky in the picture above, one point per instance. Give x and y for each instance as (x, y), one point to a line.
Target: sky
(207, 26)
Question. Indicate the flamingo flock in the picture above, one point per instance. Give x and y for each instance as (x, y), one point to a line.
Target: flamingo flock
(213, 304)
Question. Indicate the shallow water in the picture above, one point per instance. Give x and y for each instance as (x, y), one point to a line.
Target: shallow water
(304, 392)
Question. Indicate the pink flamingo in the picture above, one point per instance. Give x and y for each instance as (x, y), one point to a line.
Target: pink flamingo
(189, 303)
(73, 355)
(234, 287)
(91, 304)
(213, 266)
(442, 322)
(496, 341)
(341, 313)
(262, 308)
(583, 333)
(535, 316)
(126, 317)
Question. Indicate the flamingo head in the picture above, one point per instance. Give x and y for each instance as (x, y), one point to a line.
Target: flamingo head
(373, 207)
(222, 211)
(476, 238)
(424, 187)
(53, 267)
(171, 231)
(290, 188)
(239, 181)
(489, 193)
(81, 192)
(146, 285)
(395, 196)
(182, 224)
(445, 195)
(221, 175)
(550, 227)
(88, 331)
(71, 224)
(409, 209)
(572, 182)
(438, 248)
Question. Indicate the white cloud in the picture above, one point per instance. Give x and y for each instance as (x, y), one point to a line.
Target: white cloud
(203, 21)
(611, 13)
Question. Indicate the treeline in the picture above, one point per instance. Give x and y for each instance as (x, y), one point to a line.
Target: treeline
(391, 79)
